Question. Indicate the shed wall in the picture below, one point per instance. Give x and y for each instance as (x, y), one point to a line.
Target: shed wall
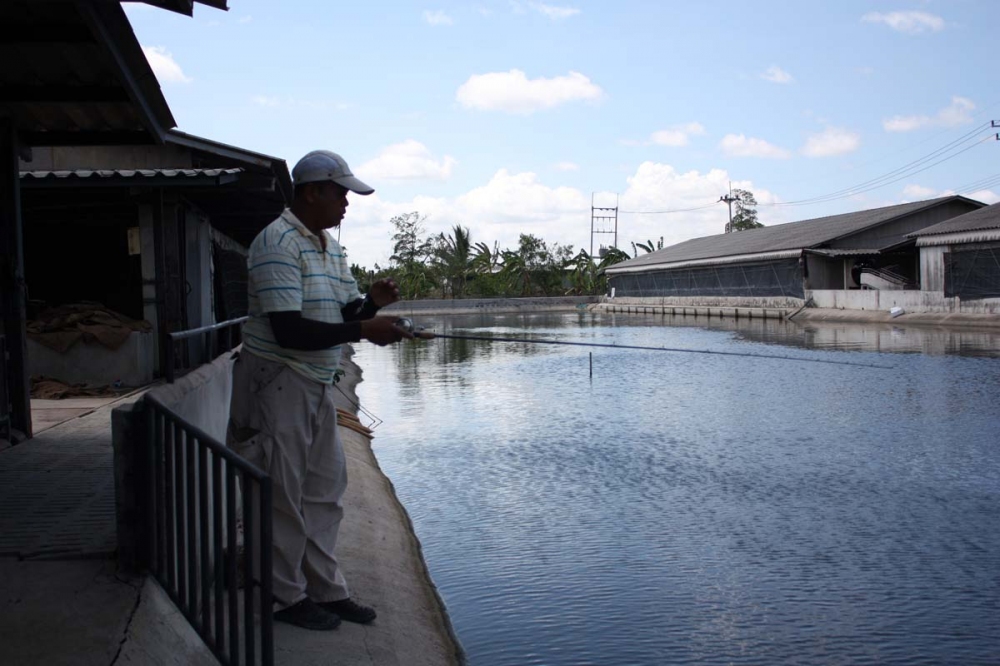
(781, 277)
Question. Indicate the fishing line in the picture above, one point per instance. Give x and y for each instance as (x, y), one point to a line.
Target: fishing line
(407, 325)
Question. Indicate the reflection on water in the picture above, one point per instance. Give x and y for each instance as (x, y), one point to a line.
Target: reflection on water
(698, 509)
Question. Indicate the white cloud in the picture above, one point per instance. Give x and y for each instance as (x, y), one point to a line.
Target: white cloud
(986, 196)
(775, 74)
(505, 207)
(738, 145)
(678, 135)
(164, 66)
(409, 160)
(567, 166)
(437, 17)
(909, 22)
(830, 142)
(914, 192)
(918, 192)
(656, 186)
(514, 203)
(959, 112)
(245, 19)
(514, 92)
(553, 12)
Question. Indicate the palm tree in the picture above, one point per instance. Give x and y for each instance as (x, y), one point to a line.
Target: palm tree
(583, 276)
(452, 258)
(485, 267)
(646, 247)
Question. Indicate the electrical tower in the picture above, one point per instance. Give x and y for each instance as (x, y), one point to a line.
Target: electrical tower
(603, 221)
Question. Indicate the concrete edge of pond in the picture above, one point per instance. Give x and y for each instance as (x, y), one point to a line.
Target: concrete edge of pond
(940, 319)
(383, 561)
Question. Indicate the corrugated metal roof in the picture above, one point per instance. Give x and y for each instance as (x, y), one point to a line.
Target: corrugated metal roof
(843, 252)
(74, 74)
(275, 165)
(85, 174)
(958, 238)
(984, 218)
(182, 7)
(735, 259)
(793, 235)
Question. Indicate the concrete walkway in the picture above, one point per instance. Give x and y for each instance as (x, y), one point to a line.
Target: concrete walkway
(64, 601)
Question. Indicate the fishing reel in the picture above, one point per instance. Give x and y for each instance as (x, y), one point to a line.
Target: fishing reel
(407, 325)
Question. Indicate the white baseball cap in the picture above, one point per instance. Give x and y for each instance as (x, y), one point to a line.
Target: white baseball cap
(320, 165)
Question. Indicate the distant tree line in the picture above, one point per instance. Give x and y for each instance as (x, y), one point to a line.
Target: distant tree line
(452, 265)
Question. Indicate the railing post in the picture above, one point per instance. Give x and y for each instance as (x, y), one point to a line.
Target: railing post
(169, 370)
(132, 460)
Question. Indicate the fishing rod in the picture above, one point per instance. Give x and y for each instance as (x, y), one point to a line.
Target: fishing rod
(419, 332)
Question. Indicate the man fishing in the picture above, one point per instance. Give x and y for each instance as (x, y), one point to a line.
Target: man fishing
(304, 304)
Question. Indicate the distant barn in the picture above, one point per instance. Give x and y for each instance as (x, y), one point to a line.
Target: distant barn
(872, 249)
(961, 256)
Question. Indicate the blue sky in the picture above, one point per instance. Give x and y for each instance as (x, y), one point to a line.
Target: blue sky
(507, 116)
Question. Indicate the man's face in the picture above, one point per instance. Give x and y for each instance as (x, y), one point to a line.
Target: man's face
(330, 200)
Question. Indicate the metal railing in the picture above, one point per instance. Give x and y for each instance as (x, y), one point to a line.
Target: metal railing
(192, 546)
(890, 276)
(214, 339)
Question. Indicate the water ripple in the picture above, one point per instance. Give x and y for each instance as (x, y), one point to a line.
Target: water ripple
(677, 509)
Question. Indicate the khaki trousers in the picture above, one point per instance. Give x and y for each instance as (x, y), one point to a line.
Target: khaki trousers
(287, 425)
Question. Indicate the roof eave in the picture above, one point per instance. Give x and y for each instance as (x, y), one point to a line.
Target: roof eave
(108, 22)
(713, 261)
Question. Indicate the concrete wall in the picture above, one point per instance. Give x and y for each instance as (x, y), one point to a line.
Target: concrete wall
(96, 365)
(709, 301)
(202, 396)
(911, 301)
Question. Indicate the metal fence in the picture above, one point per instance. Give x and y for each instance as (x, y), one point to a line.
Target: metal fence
(193, 548)
(212, 340)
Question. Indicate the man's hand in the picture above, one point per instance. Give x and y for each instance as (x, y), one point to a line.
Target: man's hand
(384, 292)
(383, 331)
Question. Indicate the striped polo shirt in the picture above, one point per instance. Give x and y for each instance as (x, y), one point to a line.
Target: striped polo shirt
(289, 270)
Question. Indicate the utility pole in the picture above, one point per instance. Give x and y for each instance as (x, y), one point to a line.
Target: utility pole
(729, 199)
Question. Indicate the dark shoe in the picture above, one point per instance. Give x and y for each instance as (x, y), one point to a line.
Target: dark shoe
(308, 615)
(350, 610)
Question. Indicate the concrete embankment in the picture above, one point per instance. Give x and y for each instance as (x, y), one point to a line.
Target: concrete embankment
(385, 568)
(939, 319)
(465, 306)
(378, 550)
(800, 314)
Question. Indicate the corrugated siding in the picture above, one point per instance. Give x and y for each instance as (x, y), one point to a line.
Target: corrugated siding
(895, 231)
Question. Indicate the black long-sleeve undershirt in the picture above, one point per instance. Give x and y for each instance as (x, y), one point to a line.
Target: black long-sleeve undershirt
(293, 331)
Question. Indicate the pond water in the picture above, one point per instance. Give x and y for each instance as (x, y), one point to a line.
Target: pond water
(601, 506)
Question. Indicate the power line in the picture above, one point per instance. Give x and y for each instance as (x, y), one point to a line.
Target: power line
(955, 148)
(667, 212)
(902, 172)
(983, 184)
